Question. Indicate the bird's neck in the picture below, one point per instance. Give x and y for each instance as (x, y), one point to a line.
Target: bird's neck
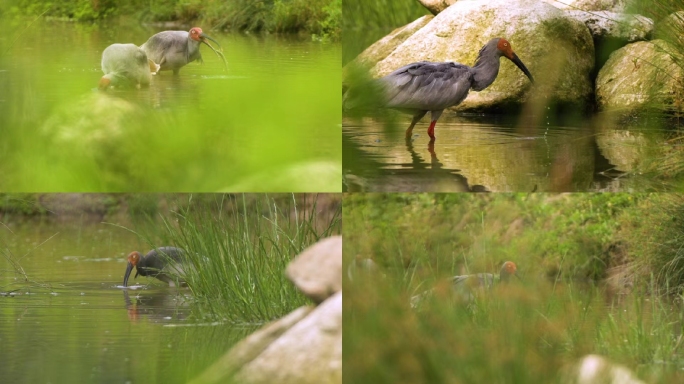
(485, 70)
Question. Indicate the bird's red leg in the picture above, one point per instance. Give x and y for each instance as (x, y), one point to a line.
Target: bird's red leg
(431, 130)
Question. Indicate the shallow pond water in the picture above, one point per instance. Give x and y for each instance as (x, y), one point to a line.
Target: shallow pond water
(275, 108)
(499, 154)
(71, 324)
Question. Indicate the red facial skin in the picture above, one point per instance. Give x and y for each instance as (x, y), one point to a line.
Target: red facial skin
(134, 258)
(505, 47)
(196, 33)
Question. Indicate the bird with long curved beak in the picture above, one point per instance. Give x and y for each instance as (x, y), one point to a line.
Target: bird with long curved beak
(422, 87)
(173, 50)
(163, 263)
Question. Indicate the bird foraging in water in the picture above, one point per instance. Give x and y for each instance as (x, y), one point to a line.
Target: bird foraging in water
(126, 65)
(175, 49)
(465, 285)
(422, 87)
(162, 263)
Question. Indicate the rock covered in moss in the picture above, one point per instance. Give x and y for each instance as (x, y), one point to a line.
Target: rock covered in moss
(639, 75)
(308, 353)
(606, 24)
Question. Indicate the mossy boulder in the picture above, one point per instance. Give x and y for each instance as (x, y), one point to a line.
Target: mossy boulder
(640, 75)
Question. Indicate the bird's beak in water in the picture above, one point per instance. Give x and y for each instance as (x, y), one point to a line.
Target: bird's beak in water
(203, 36)
(129, 268)
(522, 67)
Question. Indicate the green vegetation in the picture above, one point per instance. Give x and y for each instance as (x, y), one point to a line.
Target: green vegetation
(239, 246)
(207, 132)
(361, 15)
(593, 271)
(315, 17)
(364, 22)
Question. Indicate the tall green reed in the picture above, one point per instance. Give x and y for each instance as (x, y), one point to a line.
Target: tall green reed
(238, 247)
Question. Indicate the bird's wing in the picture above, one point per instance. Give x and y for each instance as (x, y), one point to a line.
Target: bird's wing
(167, 41)
(428, 86)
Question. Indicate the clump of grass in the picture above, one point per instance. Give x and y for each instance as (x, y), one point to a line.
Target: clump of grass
(316, 17)
(533, 330)
(654, 235)
(238, 248)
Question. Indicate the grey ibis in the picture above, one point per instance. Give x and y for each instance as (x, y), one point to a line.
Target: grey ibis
(126, 65)
(172, 50)
(156, 263)
(423, 87)
(464, 286)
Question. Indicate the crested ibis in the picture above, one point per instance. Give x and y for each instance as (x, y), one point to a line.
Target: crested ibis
(465, 285)
(126, 65)
(422, 87)
(175, 49)
(156, 263)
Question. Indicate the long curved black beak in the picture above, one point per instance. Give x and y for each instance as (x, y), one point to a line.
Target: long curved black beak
(129, 268)
(522, 67)
(203, 36)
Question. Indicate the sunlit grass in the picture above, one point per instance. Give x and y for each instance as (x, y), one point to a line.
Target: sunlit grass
(238, 248)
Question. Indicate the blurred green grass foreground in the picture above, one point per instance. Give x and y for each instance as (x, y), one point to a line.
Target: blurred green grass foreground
(599, 274)
(269, 122)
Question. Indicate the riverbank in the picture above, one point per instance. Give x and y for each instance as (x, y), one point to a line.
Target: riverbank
(321, 19)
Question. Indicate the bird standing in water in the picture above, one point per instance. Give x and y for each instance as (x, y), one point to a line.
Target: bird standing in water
(422, 87)
(164, 263)
(173, 50)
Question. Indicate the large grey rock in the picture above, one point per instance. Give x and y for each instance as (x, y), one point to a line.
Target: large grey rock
(317, 271)
(558, 50)
(308, 353)
(606, 24)
(302, 347)
(306, 345)
(248, 349)
(639, 75)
